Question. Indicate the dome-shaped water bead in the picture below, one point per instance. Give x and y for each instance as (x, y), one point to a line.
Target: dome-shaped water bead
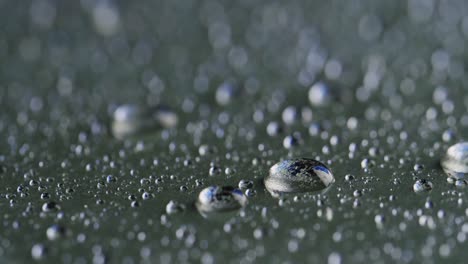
(220, 199)
(298, 175)
(455, 161)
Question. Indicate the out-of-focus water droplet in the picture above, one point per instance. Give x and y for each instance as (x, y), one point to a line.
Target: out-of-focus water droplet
(216, 199)
(418, 167)
(367, 163)
(379, 220)
(290, 115)
(290, 141)
(131, 120)
(273, 129)
(461, 183)
(451, 180)
(319, 94)
(106, 19)
(422, 185)
(455, 161)
(173, 207)
(204, 150)
(55, 232)
(225, 93)
(38, 251)
(298, 175)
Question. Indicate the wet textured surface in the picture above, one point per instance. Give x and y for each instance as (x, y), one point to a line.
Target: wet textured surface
(375, 90)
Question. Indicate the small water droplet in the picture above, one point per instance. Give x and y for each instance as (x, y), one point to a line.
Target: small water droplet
(273, 129)
(38, 251)
(250, 192)
(357, 193)
(349, 177)
(49, 207)
(173, 207)
(418, 167)
(367, 163)
(298, 175)
(55, 232)
(245, 184)
(214, 170)
(290, 141)
(319, 94)
(461, 183)
(422, 185)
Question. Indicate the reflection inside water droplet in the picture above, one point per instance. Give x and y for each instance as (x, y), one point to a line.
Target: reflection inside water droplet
(298, 175)
(216, 199)
(455, 161)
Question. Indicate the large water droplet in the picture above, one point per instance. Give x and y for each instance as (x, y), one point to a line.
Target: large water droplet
(216, 199)
(455, 161)
(298, 175)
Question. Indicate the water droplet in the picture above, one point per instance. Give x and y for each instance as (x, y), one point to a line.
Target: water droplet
(451, 180)
(49, 207)
(245, 184)
(290, 141)
(349, 177)
(229, 171)
(319, 94)
(214, 170)
(204, 150)
(298, 175)
(289, 115)
(422, 185)
(38, 251)
(357, 193)
(367, 163)
(225, 93)
(216, 199)
(173, 207)
(131, 120)
(379, 220)
(461, 183)
(110, 178)
(250, 192)
(274, 129)
(455, 161)
(55, 232)
(146, 195)
(418, 167)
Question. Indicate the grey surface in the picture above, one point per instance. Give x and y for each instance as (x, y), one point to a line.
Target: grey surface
(61, 76)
